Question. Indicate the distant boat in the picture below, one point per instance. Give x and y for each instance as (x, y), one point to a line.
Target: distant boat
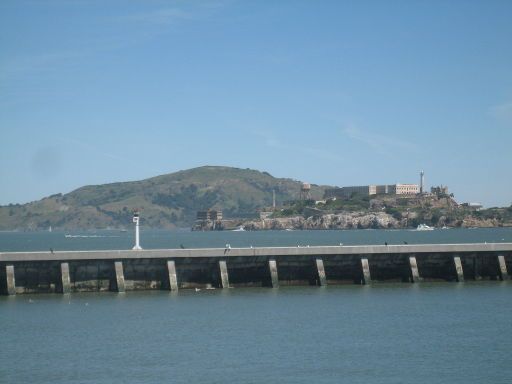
(240, 229)
(424, 227)
(50, 229)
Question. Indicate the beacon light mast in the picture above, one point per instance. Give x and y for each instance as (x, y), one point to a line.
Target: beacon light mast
(136, 221)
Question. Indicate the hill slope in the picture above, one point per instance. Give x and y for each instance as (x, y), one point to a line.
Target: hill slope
(165, 201)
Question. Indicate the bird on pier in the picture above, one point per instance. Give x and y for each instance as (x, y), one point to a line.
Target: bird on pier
(51, 250)
(385, 243)
(405, 242)
(182, 246)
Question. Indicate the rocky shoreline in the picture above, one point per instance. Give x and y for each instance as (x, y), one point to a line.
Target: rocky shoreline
(357, 220)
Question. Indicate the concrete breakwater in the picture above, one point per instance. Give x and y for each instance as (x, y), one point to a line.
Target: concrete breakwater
(173, 269)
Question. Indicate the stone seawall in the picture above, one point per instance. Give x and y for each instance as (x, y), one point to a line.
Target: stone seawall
(173, 269)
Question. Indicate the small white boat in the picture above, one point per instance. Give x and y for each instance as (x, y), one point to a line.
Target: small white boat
(424, 227)
(240, 229)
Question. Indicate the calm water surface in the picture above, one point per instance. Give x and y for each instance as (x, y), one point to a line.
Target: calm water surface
(157, 239)
(397, 333)
(439, 333)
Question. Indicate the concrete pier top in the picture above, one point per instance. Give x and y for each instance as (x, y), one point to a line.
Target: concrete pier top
(417, 249)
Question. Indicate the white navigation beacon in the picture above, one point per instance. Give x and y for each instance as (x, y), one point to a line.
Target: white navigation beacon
(136, 221)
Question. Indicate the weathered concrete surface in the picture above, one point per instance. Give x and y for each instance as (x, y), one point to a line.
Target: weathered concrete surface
(365, 265)
(66, 282)
(263, 251)
(119, 276)
(415, 274)
(42, 272)
(320, 270)
(11, 281)
(145, 274)
(224, 277)
(173, 278)
(458, 269)
(92, 275)
(502, 268)
(274, 278)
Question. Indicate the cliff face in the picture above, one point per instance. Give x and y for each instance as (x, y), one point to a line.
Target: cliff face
(357, 220)
(350, 220)
(382, 212)
(471, 221)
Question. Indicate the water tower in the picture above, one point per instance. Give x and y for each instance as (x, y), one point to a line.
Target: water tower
(422, 182)
(305, 191)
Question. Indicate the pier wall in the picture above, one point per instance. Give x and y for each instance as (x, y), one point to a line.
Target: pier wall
(119, 271)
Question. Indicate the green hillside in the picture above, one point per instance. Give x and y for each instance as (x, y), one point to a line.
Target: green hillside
(164, 201)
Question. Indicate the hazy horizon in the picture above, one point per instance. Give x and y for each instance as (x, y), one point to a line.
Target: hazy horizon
(333, 93)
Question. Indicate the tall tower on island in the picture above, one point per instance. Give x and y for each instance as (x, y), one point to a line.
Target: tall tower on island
(422, 182)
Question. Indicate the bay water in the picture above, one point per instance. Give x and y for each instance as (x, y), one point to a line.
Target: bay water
(386, 333)
(163, 239)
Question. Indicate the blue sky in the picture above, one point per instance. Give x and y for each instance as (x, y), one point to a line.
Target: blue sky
(330, 92)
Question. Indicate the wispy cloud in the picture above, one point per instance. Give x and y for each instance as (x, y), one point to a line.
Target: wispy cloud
(93, 149)
(320, 153)
(271, 141)
(123, 30)
(382, 144)
(158, 16)
(40, 62)
(180, 11)
(502, 112)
